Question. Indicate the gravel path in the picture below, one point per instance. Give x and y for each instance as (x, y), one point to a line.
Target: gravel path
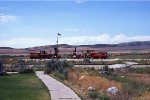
(57, 90)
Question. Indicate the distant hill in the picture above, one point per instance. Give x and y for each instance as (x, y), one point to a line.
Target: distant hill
(135, 43)
(128, 46)
(6, 48)
(136, 46)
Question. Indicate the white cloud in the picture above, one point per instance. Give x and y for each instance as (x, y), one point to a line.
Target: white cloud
(120, 38)
(74, 40)
(24, 42)
(7, 18)
(103, 38)
(140, 38)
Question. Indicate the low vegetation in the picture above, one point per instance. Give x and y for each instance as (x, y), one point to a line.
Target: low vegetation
(81, 79)
(59, 69)
(136, 82)
(133, 83)
(145, 70)
(22, 87)
(125, 79)
(22, 68)
(133, 55)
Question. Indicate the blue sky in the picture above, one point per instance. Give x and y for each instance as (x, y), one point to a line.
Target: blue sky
(35, 23)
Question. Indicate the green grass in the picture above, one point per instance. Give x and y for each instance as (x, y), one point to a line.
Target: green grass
(22, 87)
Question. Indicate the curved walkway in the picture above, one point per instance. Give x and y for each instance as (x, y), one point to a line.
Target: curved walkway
(57, 90)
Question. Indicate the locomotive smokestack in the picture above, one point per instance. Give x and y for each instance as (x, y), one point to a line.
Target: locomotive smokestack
(75, 49)
(74, 52)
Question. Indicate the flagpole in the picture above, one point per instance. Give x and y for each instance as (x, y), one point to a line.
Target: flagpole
(57, 48)
(57, 41)
(57, 45)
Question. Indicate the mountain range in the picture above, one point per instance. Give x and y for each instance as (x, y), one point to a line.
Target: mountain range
(136, 46)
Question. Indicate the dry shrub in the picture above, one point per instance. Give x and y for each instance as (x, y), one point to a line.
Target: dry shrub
(97, 82)
(143, 78)
(144, 96)
(100, 83)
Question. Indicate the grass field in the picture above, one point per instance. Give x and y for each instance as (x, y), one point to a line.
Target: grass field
(22, 87)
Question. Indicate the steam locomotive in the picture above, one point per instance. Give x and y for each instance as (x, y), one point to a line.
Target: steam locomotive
(44, 54)
(85, 54)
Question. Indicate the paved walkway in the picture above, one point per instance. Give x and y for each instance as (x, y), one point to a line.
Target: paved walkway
(57, 90)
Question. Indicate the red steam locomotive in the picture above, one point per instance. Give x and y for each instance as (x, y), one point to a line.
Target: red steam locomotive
(85, 54)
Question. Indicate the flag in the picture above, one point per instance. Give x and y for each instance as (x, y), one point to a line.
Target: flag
(59, 34)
